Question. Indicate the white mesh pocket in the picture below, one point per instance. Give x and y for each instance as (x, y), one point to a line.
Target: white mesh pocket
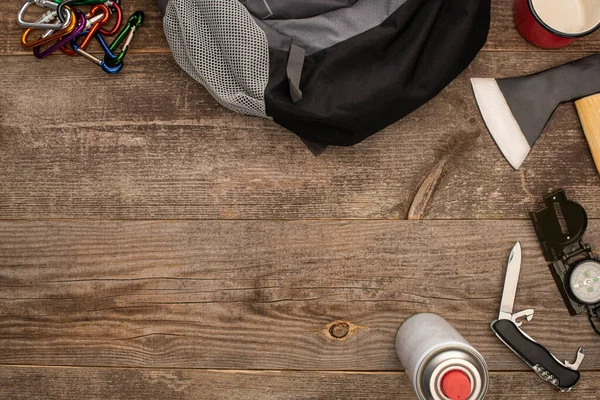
(218, 43)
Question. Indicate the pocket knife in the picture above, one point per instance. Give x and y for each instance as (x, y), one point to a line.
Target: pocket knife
(508, 329)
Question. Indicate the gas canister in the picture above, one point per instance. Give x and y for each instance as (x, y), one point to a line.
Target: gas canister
(441, 364)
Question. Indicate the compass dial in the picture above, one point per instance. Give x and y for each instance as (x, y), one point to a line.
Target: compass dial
(585, 282)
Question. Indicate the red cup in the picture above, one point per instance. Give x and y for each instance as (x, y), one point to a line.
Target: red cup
(540, 31)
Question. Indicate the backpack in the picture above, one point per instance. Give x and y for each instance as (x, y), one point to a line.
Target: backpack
(333, 72)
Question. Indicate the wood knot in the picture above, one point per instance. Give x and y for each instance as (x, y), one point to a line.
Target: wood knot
(339, 330)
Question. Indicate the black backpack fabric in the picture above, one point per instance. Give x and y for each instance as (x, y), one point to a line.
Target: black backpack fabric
(332, 71)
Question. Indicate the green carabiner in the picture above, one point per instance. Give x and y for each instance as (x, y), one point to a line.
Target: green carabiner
(133, 24)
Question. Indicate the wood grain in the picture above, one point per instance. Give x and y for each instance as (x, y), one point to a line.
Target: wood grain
(262, 295)
(503, 33)
(152, 144)
(320, 300)
(134, 384)
(589, 113)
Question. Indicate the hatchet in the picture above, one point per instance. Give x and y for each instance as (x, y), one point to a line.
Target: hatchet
(516, 110)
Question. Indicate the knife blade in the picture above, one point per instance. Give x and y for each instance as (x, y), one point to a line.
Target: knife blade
(511, 281)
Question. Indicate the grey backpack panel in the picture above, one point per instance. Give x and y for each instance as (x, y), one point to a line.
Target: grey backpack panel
(292, 9)
(328, 29)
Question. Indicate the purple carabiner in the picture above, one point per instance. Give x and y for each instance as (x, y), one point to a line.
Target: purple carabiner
(64, 40)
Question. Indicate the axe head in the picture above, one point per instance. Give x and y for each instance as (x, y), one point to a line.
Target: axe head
(516, 110)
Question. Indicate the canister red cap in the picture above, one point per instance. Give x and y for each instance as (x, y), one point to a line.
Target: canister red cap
(456, 385)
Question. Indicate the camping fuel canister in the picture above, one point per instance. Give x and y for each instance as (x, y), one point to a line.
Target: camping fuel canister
(441, 364)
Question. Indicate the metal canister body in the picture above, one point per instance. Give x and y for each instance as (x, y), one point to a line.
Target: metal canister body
(434, 353)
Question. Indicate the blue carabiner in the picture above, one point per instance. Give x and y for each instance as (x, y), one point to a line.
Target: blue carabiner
(101, 63)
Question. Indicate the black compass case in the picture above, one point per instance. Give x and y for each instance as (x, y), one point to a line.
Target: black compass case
(560, 227)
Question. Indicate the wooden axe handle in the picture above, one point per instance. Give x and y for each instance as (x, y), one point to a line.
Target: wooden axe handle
(589, 114)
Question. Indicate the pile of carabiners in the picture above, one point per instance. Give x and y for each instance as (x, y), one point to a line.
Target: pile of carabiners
(69, 29)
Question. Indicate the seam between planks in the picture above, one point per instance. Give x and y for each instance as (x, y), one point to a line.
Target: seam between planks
(484, 50)
(249, 371)
(291, 220)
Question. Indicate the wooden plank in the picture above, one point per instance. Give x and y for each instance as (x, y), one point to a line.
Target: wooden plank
(154, 144)
(22, 383)
(503, 33)
(264, 295)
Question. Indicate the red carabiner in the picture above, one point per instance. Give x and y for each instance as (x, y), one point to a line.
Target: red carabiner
(116, 9)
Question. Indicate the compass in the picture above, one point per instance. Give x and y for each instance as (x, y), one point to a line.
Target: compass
(584, 282)
(560, 227)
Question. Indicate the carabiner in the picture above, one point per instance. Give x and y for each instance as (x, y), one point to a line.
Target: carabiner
(61, 6)
(115, 8)
(97, 16)
(63, 40)
(82, 2)
(111, 69)
(42, 22)
(48, 38)
(133, 24)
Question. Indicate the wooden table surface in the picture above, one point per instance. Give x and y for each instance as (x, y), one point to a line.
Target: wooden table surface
(154, 245)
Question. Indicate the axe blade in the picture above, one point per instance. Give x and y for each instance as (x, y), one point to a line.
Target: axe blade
(500, 121)
(516, 110)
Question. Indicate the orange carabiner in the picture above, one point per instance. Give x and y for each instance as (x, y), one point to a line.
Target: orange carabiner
(57, 34)
(98, 16)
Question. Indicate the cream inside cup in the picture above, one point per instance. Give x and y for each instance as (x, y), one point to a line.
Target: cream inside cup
(570, 17)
